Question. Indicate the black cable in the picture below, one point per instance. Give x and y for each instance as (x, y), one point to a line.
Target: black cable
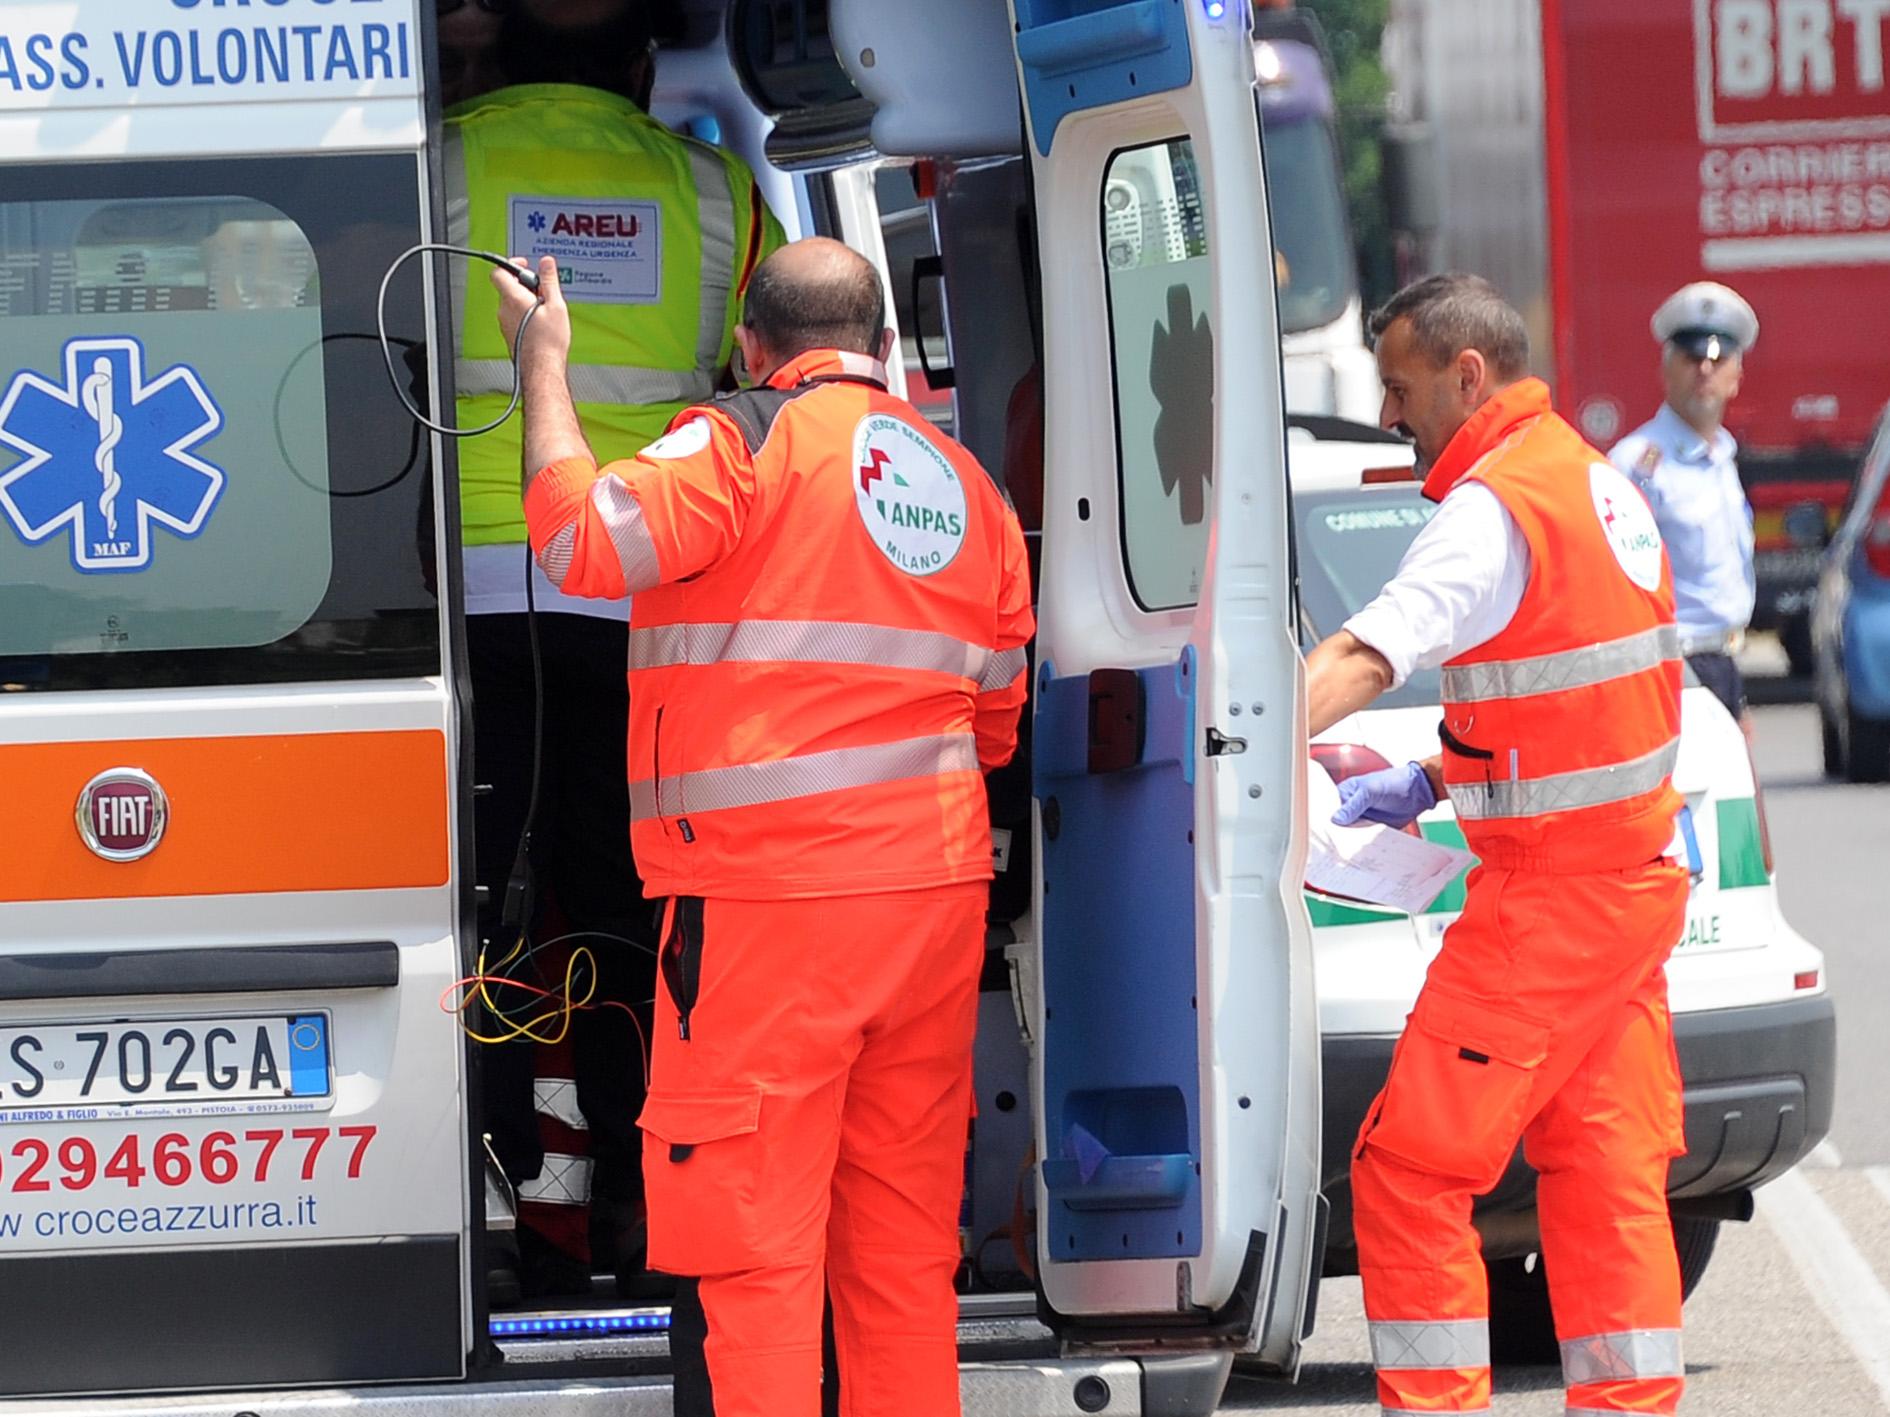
(516, 907)
(528, 279)
(282, 446)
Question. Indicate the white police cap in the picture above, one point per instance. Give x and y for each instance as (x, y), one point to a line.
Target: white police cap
(1706, 319)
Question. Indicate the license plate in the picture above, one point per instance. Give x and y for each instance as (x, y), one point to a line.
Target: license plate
(276, 1062)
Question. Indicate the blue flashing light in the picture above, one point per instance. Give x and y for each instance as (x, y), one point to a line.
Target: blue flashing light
(1216, 9)
(620, 1321)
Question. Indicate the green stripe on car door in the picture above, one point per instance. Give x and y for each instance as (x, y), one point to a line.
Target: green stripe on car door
(1741, 852)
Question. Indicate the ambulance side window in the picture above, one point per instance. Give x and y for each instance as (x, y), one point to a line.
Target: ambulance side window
(204, 478)
(1154, 243)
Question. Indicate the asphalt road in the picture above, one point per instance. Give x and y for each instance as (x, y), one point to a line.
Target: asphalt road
(1793, 1315)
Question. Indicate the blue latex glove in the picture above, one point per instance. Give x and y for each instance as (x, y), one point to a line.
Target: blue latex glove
(1392, 797)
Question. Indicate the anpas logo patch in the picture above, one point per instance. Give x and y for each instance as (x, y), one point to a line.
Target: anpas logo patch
(910, 498)
(683, 442)
(1628, 524)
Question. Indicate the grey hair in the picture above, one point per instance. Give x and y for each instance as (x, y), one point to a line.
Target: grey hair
(1452, 312)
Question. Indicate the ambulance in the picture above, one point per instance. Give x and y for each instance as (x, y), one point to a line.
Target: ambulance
(242, 1168)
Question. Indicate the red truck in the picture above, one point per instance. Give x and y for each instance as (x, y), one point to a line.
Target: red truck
(1591, 156)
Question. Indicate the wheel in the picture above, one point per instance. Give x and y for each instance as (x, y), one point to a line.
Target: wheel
(1867, 755)
(1794, 634)
(1522, 1328)
(1833, 745)
(1693, 1241)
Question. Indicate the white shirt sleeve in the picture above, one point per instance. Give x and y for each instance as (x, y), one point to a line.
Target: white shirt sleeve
(1458, 585)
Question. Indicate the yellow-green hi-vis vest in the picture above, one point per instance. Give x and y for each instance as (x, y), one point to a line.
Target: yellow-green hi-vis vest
(655, 236)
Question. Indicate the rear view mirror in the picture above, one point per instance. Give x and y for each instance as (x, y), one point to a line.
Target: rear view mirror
(1805, 526)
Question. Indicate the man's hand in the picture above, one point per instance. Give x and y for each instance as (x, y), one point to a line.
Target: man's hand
(549, 335)
(1392, 797)
(552, 432)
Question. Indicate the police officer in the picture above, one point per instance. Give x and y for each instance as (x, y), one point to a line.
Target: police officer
(1683, 461)
(1541, 589)
(657, 235)
(830, 603)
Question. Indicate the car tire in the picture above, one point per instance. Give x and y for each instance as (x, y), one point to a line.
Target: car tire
(1867, 753)
(1522, 1327)
(1833, 742)
(1794, 636)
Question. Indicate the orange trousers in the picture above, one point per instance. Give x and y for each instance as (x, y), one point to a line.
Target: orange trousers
(1543, 1019)
(805, 1134)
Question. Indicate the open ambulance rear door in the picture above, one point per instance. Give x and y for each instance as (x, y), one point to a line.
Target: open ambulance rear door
(233, 1151)
(1177, 1067)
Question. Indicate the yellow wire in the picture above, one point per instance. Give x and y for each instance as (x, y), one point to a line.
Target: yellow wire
(562, 1011)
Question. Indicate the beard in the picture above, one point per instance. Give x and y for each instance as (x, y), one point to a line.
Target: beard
(1422, 466)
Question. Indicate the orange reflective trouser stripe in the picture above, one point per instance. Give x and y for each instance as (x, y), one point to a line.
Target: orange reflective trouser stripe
(809, 1134)
(1543, 1019)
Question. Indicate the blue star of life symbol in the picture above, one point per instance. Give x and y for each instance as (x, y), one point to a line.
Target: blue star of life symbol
(536, 221)
(108, 456)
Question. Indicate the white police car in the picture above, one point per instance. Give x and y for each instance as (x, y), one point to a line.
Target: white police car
(1752, 1019)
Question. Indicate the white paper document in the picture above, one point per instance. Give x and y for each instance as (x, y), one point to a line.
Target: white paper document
(1373, 863)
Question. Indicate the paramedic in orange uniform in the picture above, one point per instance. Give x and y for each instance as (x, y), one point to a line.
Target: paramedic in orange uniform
(828, 618)
(1542, 589)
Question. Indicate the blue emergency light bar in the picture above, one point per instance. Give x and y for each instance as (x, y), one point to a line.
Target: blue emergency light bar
(582, 1325)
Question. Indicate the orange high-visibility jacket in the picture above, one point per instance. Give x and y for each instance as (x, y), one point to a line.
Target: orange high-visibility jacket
(1560, 733)
(831, 604)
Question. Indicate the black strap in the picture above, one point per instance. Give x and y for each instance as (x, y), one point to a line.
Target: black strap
(865, 379)
(1459, 747)
(754, 411)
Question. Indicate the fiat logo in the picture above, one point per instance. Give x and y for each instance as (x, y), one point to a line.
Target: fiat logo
(122, 813)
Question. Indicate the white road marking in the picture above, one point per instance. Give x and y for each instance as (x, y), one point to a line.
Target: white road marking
(1825, 1156)
(1880, 1178)
(1840, 1279)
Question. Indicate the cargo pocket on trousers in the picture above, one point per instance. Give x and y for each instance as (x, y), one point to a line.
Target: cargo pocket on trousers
(1455, 1101)
(701, 1176)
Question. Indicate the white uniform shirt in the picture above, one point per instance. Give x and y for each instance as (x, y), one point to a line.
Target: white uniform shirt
(1458, 586)
(1693, 487)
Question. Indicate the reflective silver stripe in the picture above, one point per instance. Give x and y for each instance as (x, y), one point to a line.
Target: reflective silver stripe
(1612, 1357)
(806, 642)
(621, 384)
(1443, 1343)
(562, 1180)
(715, 214)
(622, 516)
(1565, 791)
(555, 559)
(1002, 670)
(458, 225)
(783, 779)
(557, 1099)
(1567, 669)
(1719, 642)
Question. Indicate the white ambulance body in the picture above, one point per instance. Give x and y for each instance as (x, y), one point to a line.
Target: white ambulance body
(240, 1163)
